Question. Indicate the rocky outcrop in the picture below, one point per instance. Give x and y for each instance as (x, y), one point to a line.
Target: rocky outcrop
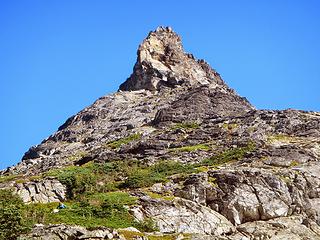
(248, 194)
(65, 232)
(183, 216)
(41, 191)
(281, 228)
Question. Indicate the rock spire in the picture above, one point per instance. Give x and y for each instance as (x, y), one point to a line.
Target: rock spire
(161, 61)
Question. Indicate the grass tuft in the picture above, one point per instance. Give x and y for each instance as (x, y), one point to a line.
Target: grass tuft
(118, 143)
(234, 154)
(186, 126)
(191, 148)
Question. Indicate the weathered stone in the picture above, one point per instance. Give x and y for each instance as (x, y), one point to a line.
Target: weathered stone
(41, 191)
(162, 62)
(278, 229)
(65, 232)
(183, 216)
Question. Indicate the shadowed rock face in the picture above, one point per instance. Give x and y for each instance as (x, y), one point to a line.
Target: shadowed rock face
(203, 103)
(257, 172)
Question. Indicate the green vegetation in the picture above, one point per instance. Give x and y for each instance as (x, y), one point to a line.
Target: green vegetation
(148, 225)
(96, 191)
(9, 178)
(19, 178)
(163, 237)
(167, 197)
(145, 176)
(230, 126)
(130, 235)
(203, 169)
(191, 148)
(282, 138)
(233, 154)
(90, 211)
(77, 179)
(92, 178)
(112, 176)
(11, 220)
(185, 125)
(294, 163)
(186, 236)
(285, 179)
(118, 143)
(77, 156)
(212, 181)
(102, 209)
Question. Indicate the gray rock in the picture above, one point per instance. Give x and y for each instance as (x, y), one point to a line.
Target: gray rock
(41, 191)
(65, 232)
(279, 228)
(183, 216)
(161, 61)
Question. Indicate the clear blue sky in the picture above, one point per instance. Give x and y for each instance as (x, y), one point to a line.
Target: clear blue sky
(56, 57)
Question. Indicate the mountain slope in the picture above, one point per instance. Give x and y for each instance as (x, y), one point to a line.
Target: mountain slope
(197, 158)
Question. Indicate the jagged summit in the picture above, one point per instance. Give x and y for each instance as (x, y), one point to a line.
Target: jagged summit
(162, 65)
(161, 61)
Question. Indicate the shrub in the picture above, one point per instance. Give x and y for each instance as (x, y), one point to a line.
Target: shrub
(11, 222)
(168, 168)
(145, 176)
(147, 225)
(233, 154)
(139, 178)
(77, 179)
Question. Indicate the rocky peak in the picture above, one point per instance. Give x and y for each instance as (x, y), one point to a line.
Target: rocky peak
(198, 159)
(161, 61)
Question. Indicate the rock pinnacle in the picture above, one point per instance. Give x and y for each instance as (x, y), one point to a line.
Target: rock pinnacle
(161, 61)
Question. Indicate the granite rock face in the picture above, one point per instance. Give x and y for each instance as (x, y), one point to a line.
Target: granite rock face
(257, 171)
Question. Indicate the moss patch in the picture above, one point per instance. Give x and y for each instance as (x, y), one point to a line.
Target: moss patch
(130, 235)
(185, 125)
(167, 197)
(169, 237)
(191, 148)
(282, 138)
(118, 143)
(77, 156)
